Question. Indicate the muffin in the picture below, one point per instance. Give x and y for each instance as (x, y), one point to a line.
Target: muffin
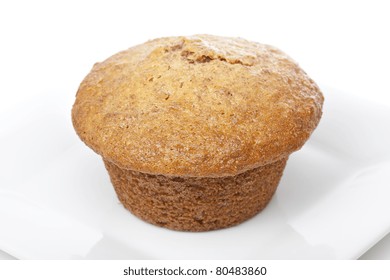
(195, 131)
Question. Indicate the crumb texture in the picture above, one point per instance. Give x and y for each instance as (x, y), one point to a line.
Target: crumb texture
(196, 204)
(197, 106)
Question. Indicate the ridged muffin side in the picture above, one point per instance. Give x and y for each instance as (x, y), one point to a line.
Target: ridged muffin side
(195, 203)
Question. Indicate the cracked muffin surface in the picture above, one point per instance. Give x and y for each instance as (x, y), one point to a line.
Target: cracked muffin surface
(197, 106)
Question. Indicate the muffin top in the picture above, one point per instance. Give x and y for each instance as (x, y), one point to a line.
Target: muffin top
(203, 106)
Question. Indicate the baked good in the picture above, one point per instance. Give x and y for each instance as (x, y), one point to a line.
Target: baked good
(195, 131)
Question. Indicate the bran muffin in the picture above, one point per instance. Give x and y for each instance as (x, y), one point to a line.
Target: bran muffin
(195, 131)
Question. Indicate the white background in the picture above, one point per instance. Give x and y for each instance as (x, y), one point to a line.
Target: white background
(47, 47)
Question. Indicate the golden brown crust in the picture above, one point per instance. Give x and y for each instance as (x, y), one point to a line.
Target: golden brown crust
(203, 106)
(193, 203)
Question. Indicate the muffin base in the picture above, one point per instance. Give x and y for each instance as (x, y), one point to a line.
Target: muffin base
(196, 203)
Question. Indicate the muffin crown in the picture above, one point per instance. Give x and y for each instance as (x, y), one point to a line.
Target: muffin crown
(202, 106)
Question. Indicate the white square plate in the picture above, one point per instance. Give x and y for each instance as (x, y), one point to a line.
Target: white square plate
(332, 202)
